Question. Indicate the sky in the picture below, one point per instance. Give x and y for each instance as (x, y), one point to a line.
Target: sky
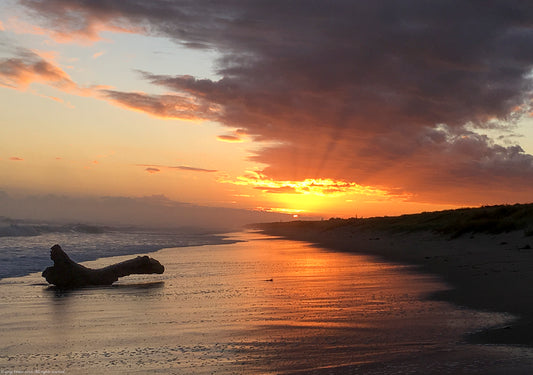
(309, 108)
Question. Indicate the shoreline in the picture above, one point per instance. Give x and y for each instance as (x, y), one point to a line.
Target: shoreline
(486, 272)
(23, 255)
(245, 308)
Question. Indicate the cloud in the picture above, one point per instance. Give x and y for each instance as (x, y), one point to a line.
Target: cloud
(28, 67)
(277, 190)
(229, 138)
(73, 23)
(316, 187)
(164, 106)
(98, 54)
(386, 94)
(193, 169)
(238, 136)
(15, 158)
(156, 168)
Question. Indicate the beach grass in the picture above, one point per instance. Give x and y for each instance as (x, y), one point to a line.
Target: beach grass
(453, 223)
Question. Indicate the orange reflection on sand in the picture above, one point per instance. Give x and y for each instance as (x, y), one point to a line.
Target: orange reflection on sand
(313, 290)
(309, 289)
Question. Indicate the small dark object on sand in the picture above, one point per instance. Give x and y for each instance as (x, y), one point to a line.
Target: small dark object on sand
(65, 273)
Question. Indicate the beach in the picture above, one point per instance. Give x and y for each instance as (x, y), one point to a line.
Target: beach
(487, 272)
(263, 305)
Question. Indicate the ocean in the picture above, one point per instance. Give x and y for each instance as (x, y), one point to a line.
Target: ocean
(25, 248)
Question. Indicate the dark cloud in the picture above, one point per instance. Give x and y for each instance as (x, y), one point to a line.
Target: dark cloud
(386, 93)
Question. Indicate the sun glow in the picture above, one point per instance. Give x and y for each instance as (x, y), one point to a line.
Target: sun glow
(310, 186)
(311, 195)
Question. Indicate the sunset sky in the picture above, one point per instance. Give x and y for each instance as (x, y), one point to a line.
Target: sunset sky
(320, 108)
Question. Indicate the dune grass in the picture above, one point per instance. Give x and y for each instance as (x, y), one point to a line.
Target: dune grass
(454, 223)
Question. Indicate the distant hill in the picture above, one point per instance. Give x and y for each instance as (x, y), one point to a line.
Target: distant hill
(486, 219)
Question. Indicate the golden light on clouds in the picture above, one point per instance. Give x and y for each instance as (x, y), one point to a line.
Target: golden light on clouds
(229, 138)
(310, 195)
(310, 186)
(237, 136)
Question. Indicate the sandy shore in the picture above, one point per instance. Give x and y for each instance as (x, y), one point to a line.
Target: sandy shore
(261, 306)
(484, 272)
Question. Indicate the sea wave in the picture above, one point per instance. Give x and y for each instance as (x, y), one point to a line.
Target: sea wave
(26, 230)
(29, 252)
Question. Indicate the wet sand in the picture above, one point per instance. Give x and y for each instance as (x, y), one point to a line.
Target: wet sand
(483, 271)
(265, 306)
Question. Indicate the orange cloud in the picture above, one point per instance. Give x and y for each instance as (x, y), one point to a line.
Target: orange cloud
(152, 168)
(230, 138)
(28, 67)
(54, 98)
(193, 169)
(317, 187)
(17, 26)
(290, 211)
(98, 54)
(167, 106)
(238, 136)
(19, 72)
(90, 34)
(67, 28)
(16, 158)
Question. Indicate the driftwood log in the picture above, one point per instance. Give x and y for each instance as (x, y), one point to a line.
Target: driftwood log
(65, 273)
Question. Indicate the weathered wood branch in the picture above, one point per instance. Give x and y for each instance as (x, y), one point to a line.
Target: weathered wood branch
(65, 273)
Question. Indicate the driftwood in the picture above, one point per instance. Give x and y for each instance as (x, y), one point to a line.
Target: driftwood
(65, 273)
